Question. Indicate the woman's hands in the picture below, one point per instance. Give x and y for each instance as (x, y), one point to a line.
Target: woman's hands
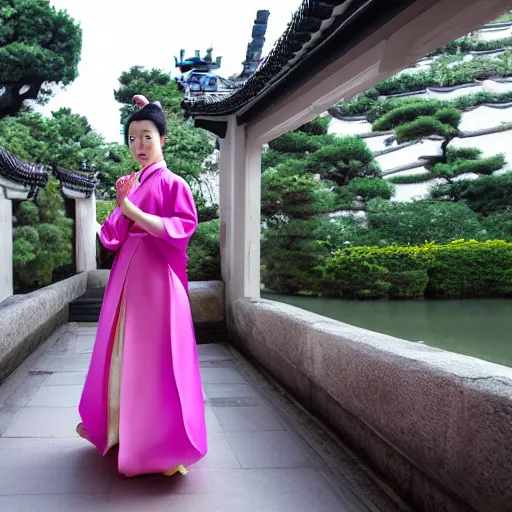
(153, 224)
(123, 187)
(128, 208)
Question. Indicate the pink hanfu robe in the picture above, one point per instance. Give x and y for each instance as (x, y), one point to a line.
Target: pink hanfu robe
(143, 390)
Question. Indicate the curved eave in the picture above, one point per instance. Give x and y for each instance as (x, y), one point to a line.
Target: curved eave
(19, 174)
(359, 20)
(74, 184)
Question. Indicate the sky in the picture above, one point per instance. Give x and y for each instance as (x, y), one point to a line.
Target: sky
(118, 34)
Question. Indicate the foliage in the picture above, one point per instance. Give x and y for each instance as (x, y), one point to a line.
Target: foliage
(288, 191)
(487, 195)
(104, 209)
(299, 142)
(397, 223)
(117, 162)
(406, 82)
(358, 107)
(67, 140)
(423, 127)
(375, 109)
(42, 239)
(411, 178)
(449, 116)
(506, 16)
(461, 269)
(466, 45)
(405, 113)
(204, 253)
(471, 269)
(371, 188)
(318, 126)
(290, 254)
(498, 226)
(205, 212)
(38, 45)
(459, 166)
(343, 160)
(447, 71)
(271, 158)
(154, 84)
(370, 272)
(454, 154)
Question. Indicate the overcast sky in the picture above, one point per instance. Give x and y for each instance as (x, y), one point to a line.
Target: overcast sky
(118, 34)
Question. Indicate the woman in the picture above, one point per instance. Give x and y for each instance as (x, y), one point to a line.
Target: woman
(143, 389)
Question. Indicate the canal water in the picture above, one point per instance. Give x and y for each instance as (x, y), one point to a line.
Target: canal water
(478, 328)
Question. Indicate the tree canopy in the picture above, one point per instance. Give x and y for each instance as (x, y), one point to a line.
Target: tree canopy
(39, 46)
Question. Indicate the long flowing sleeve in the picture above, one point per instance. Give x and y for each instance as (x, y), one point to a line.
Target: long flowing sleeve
(179, 212)
(114, 230)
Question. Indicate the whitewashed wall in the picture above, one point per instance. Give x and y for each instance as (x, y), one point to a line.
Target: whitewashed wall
(494, 34)
(5, 247)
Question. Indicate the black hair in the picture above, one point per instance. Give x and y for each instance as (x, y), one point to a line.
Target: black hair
(151, 112)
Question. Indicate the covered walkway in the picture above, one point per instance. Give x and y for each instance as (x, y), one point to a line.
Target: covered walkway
(266, 454)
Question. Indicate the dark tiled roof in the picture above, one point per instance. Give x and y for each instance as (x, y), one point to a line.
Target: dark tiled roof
(80, 182)
(14, 169)
(311, 24)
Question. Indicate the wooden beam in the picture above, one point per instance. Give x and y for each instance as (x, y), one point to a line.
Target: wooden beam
(418, 30)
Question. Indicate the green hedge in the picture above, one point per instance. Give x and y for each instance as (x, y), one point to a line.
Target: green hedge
(466, 45)
(483, 166)
(104, 209)
(204, 252)
(471, 269)
(442, 74)
(409, 179)
(405, 113)
(461, 269)
(374, 109)
(423, 126)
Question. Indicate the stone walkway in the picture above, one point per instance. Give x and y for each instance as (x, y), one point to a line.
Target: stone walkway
(265, 453)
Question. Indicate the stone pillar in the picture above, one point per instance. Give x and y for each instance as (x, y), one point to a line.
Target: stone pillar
(240, 214)
(85, 218)
(6, 282)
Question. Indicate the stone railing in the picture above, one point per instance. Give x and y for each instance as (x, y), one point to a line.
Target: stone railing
(27, 320)
(437, 425)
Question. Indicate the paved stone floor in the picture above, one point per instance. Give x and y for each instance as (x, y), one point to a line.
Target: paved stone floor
(265, 453)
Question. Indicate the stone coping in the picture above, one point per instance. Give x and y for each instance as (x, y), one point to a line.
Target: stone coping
(206, 297)
(435, 423)
(27, 320)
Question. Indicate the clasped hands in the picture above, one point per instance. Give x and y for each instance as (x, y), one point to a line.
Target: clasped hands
(153, 224)
(123, 187)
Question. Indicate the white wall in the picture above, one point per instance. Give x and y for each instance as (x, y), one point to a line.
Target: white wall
(6, 282)
(489, 144)
(410, 154)
(492, 35)
(85, 218)
(485, 117)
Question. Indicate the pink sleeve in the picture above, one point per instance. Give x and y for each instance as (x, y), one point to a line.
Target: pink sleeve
(114, 230)
(180, 216)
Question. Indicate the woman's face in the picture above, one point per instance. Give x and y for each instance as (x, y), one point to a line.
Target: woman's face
(145, 142)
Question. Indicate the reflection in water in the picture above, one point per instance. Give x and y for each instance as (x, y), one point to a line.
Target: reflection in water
(478, 328)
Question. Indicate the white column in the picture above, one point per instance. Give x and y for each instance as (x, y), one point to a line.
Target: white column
(6, 282)
(85, 218)
(240, 214)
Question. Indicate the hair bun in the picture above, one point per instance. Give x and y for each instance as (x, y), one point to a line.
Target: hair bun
(156, 104)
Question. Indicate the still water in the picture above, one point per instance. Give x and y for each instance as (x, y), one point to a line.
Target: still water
(478, 328)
